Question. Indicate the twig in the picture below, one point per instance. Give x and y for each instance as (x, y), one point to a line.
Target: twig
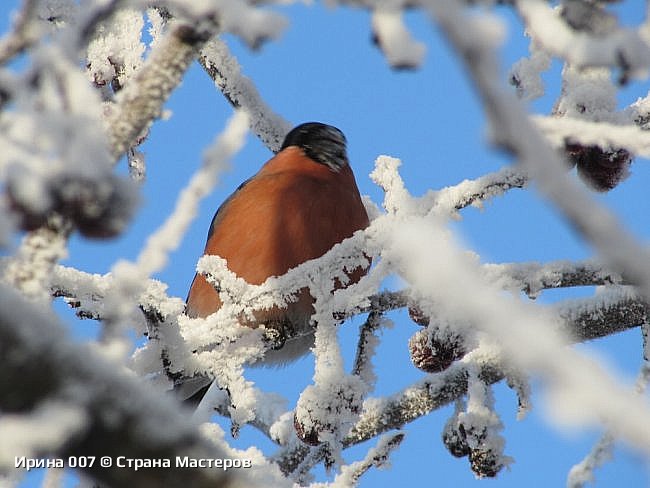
(141, 100)
(376, 457)
(23, 33)
(436, 391)
(366, 347)
(239, 90)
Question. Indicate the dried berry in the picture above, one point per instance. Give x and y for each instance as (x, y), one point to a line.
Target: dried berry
(601, 169)
(454, 438)
(485, 463)
(100, 208)
(433, 354)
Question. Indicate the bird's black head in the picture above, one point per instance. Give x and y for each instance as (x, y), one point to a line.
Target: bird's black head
(321, 142)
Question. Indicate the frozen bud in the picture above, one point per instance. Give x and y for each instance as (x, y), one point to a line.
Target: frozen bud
(454, 438)
(601, 169)
(274, 334)
(485, 463)
(324, 411)
(307, 434)
(434, 353)
(99, 207)
(29, 197)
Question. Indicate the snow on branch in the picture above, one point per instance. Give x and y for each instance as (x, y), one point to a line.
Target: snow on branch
(376, 457)
(240, 91)
(475, 192)
(532, 278)
(613, 46)
(30, 268)
(583, 472)
(512, 129)
(23, 34)
(121, 416)
(141, 100)
(394, 39)
(437, 390)
(560, 130)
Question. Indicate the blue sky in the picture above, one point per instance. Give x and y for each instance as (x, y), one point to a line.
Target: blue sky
(325, 68)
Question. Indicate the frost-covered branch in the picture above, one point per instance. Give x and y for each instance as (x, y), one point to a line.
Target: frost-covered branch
(532, 278)
(612, 45)
(240, 91)
(395, 40)
(30, 268)
(141, 100)
(438, 390)
(475, 192)
(366, 345)
(512, 129)
(23, 33)
(377, 457)
(583, 472)
(86, 292)
(118, 416)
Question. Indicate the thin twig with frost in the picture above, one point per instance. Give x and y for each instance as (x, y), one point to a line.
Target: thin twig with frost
(366, 346)
(23, 33)
(394, 39)
(377, 457)
(532, 278)
(436, 391)
(583, 472)
(239, 90)
(140, 102)
(475, 192)
(30, 268)
(622, 47)
(512, 129)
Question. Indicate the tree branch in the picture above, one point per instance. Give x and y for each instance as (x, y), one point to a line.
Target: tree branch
(438, 390)
(475, 192)
(239, 90)
(141, 100)
(22, 35)
(514, 131)
(122, 416)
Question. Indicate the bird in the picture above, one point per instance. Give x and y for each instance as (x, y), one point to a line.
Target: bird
(302, 202)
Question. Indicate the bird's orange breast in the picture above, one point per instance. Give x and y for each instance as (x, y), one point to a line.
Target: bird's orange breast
(291, 211)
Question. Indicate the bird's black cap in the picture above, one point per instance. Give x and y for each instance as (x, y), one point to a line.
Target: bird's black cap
(322, 143)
